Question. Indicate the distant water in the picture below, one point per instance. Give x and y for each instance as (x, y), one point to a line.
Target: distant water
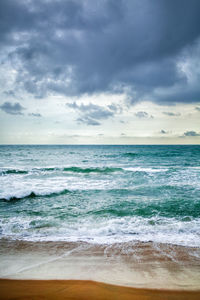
(100, 194)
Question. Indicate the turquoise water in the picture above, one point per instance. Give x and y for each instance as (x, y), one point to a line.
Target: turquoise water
(101, 194)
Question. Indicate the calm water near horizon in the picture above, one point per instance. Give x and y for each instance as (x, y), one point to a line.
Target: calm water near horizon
(100, 194)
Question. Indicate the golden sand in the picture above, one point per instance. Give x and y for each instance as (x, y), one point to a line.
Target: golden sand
(85, 290)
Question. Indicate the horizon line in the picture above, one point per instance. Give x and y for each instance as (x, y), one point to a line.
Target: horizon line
(99, 144)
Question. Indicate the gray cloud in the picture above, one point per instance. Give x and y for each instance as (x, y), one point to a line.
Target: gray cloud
(191, 133)
(86, 46)
(38, 115)
(90, 114)
(171, 114)
(163, 131)
(197, 108)
(9, 93)
(143, 115)
(12, 108)
(88, 121)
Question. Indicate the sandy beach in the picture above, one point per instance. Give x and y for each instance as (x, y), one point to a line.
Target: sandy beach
(85, 271)
(85, 290)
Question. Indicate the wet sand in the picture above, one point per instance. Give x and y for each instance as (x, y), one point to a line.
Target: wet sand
(85, 290)
(136, 265)
(59, 270)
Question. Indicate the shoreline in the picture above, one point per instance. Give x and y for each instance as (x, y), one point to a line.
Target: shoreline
(85, 290)
(134, 265)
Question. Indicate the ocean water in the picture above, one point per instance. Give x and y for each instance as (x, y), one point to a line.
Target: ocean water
(101, 194)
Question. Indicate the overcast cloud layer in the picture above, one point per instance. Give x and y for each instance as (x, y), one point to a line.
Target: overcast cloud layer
(100, 68)
(144, 48)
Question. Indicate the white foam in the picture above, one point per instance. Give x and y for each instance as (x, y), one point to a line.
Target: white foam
(146, 170)
(46, 186)
(107, 231)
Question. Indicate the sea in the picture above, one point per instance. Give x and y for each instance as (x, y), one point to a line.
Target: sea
(102, 196)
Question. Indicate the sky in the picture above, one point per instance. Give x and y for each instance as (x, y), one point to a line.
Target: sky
(100, 72)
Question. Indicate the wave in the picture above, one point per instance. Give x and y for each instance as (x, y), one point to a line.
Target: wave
(161, 154)
(169, 210)
(34, 195)
(115, 230)
(92, 170)
(72, 169)
(53, 193)
(13, 171)
(132, 201)
(130, 154)
(145, 170)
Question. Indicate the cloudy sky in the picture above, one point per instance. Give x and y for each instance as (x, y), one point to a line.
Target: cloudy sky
(100, 71)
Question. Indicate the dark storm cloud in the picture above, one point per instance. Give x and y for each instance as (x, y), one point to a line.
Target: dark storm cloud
(87, 46)
(12, 108)
(191, 133)
(184, 94)
(171, 114)
(90, 114)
